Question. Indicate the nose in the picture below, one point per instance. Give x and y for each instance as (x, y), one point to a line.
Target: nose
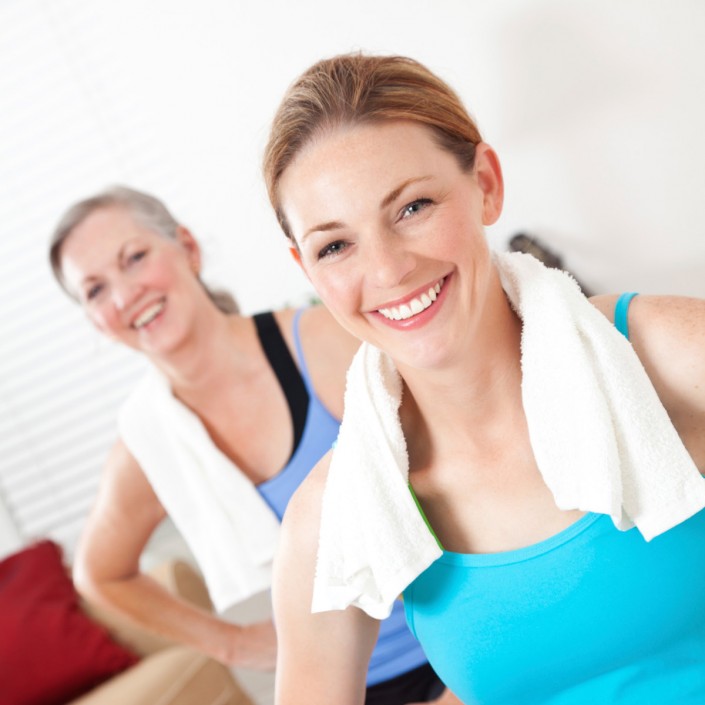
(123, 293)
(388, 261)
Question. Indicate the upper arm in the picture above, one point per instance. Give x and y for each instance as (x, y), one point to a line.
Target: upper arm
(668, 335)
(323, 657)
(605, 303)
(125, 513)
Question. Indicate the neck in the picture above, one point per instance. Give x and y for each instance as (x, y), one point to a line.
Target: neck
(477, 394)
(217, 349)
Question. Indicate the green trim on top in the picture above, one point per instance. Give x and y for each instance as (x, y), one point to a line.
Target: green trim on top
(424, 517)
(620, 321)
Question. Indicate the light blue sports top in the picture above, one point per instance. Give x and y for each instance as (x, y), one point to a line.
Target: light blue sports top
(397, 651)
(591, 616)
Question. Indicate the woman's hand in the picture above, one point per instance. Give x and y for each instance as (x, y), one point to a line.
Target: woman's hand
(106, 571)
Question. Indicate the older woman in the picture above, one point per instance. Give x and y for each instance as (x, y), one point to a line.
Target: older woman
(232, 415)
(550, 544)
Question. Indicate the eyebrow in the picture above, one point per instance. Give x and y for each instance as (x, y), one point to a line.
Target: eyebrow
(322, 228)
(386, 201)
(393, 195)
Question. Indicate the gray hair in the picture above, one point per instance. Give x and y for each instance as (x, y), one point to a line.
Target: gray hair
(146, 210)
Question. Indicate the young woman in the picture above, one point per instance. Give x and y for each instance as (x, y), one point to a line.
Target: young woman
(536, 592)
(220, 433)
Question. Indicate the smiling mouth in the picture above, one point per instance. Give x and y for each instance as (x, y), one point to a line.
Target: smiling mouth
(415, 306)
(148, 315)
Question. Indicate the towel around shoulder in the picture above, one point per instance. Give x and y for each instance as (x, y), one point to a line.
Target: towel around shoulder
(229, 527)
(601, 437)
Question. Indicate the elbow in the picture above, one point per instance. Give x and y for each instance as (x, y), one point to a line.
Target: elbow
(99, 577)
(86, 580)
(90, 578)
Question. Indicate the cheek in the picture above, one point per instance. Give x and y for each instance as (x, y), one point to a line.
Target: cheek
(461, 234)
(156, 272)
(175, 277)
(336, 289)
(103, 320)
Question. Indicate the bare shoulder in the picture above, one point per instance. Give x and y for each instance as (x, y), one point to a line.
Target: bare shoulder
(125, 487)
(605, 303)
(668, 330)
(329, 350)
(317, 322)
(285, 318)
(674, 314)
(668, 335)
(303, 515)
(654, 314)
(318, 329)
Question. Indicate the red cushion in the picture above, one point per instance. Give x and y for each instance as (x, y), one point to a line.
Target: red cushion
(50, 651)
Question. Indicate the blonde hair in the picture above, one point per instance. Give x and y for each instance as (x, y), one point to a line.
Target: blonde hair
(351, 89)
(145, 209)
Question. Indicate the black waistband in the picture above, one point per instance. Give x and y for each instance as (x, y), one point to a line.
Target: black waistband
(418, 685)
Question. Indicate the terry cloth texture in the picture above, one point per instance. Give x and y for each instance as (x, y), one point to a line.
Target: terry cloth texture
(601, 437)
(194, 479)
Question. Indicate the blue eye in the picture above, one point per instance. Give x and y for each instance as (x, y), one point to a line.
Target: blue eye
(332, 249)
(136, 256)
(415, 207)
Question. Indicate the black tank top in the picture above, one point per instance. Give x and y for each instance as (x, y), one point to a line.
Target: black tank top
(284, 367)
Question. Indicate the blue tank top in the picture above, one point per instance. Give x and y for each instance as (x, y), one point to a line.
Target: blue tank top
(397, 651)
(591, 616)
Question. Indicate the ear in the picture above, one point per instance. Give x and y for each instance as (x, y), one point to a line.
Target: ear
(489, 177)
(193, 250)
(294, 252)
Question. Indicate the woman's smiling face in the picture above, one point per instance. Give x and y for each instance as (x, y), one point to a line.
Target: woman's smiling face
(389, 230)
(136, 286)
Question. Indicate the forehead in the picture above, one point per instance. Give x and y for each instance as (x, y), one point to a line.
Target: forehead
(384, 146)
(368, 159)
(94, 244)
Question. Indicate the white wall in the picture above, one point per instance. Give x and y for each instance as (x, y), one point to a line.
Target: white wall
(595, 108)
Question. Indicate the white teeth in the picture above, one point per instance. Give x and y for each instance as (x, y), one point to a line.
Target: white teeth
(414, 306)
(148, 315)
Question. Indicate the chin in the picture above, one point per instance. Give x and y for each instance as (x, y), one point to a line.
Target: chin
(424, 356)
(159, 345)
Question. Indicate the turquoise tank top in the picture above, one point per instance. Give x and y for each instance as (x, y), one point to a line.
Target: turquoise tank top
(397, 651)
(591, 616)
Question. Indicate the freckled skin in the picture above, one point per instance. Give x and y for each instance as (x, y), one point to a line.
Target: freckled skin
(378, 211)
(381, 251)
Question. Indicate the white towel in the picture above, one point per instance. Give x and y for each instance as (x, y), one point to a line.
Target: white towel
(601, 437)
(230, 529)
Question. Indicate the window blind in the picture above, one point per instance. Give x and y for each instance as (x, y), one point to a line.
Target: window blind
(63, 135)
